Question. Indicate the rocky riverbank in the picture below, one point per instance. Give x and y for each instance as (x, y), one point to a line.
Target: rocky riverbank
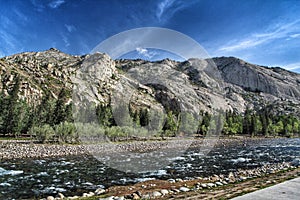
(173, 188)
(15, 150)
(12, 149)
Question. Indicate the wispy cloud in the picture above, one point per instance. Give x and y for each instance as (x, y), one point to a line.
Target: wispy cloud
(6, 33)
(163, 6)
(292, 66)
(70, 28)
(145, 52)
(21, 16)
(56, 3)
(8, 40)
(167, 8)
(65, 40)
(295, 35)
(37, 5)
(1, 54)
(276, 32)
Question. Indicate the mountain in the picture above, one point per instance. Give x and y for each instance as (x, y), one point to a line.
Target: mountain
(193, 85)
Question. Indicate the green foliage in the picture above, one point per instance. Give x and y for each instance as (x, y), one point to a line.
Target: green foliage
(66, 132)
(14, 112)
(144, 117)
(90, 132)
(170, 126)
(43, 134)
(233, 124)
(189, 123)
(61, 112)
(104, 115)
(205, 123)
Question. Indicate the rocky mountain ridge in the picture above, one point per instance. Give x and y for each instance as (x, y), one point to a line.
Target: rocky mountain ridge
(221, 83)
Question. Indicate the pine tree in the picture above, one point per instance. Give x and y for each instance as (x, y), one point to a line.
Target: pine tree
(170, 126)
(59, 114)
(247, 125)
(144, 117)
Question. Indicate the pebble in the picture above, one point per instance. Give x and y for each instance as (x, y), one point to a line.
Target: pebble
(60, 195)
(156, 194)
(135, 196)
(100, 191)
(210, 184)
(50, 198)
(176, 190)
(219, 183)
(73, 197)
(119, 198)
(90, 194)
(146, 196)
(164, 192)
(224, 182)
(203, 185)
(184, 189)
(172, 180)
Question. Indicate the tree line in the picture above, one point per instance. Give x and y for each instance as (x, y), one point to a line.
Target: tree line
(52, 120)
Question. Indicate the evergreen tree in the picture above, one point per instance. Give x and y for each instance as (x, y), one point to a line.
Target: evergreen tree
(59, 114)
(205, 123)
(144, 117)
(105, 116)
(264, 118)
(247, 125)
(170, 126)
(15, 113)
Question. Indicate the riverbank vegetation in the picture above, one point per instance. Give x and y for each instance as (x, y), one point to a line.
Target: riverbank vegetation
(52, 120)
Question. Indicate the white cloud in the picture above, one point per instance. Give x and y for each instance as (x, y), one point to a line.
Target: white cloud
(295, 35)
(163, 6)
(167, 8)
(70, 28)
(66, 40)
(56, 3)
(38, 6)
(145, 52)
(292, 66)
(278, 31)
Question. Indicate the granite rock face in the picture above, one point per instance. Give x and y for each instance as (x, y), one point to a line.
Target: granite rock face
(190, 86)
(275, 81)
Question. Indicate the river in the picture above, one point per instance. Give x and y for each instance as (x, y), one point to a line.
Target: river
(73, 175)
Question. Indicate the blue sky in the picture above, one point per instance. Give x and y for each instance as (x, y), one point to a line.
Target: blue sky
(261, 32)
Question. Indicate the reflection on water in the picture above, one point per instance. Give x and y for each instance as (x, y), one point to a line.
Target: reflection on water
(72, 175)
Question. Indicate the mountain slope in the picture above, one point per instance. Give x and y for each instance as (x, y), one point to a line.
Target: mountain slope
(226, 82)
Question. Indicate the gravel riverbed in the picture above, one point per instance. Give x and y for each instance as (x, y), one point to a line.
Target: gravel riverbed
(12, 149)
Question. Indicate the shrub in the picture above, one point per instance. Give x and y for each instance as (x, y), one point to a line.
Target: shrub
(43, 133)
(66, 132)
(90, 132)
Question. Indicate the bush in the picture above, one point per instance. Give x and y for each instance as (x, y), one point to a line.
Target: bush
(90, 132)
(114, 132)
(43, 133)
(66, 132)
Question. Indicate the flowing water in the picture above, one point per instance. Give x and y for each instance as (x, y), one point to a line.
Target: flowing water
(27, 178)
